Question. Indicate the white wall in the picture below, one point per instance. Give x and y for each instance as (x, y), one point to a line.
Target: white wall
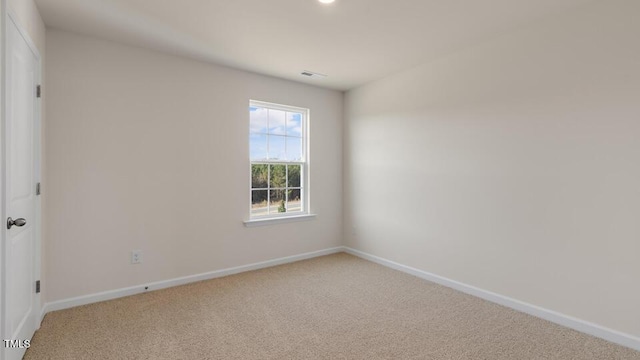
(512, 166)
(149, 151)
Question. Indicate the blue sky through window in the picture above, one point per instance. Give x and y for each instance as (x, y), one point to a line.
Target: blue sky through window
(258, 146)
(275, 134)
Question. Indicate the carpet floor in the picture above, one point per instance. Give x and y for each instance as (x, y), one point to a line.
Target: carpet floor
(332, 307)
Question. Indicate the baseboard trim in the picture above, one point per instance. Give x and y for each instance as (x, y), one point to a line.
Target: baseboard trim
(586, 327)
(138, 289)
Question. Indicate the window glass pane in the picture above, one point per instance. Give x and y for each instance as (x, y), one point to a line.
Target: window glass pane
(259, 176)
(259, 202)
(293, 176)
(277, 203)
(278, 176)
(277, 154)
(294, 148)
(258, 119)
(258, 147)
(276, 122)
(276, 147)
(295, 200)
(294, 124)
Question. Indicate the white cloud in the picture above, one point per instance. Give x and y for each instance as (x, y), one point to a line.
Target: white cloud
(258, 123)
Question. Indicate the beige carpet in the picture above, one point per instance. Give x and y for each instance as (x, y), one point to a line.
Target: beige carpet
(333, 307)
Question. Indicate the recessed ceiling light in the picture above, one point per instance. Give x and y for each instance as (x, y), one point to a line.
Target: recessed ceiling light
(326, 1)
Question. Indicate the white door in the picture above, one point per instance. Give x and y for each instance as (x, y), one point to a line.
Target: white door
(21, 169)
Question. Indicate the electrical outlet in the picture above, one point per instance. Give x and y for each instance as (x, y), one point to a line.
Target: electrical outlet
(136, 257)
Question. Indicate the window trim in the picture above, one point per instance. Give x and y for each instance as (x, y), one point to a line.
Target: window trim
(305, 213)
(278, 220)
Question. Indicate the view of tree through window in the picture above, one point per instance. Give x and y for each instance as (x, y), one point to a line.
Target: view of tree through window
(277, 136)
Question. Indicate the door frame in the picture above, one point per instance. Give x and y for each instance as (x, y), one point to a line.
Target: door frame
(11, 18)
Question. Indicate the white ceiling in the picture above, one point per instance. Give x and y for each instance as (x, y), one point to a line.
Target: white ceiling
(352, 41)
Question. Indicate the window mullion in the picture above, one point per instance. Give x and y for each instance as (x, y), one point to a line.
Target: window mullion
(268, 189)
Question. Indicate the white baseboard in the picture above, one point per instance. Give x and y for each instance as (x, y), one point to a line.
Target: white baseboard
(549, 315)
(132, 290)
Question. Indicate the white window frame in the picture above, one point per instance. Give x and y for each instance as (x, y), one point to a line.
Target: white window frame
(304, 169)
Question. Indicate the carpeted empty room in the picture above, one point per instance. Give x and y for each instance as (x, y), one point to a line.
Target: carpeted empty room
(319, 179)
(332, 307)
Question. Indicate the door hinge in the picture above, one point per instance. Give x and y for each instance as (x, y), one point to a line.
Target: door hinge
(38, 189)
(38, 91)
(38, 287)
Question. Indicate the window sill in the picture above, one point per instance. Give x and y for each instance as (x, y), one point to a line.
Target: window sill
(278, 220)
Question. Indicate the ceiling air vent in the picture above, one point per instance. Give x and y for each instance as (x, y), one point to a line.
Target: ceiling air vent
(312, 74)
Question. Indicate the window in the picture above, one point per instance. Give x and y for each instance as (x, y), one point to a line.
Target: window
(279, 160)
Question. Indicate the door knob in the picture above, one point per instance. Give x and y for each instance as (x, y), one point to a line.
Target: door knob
(17, 222)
